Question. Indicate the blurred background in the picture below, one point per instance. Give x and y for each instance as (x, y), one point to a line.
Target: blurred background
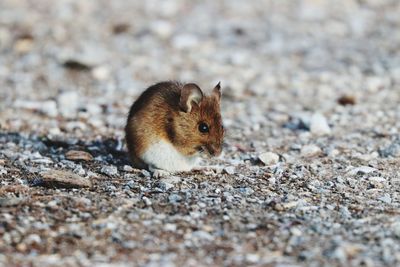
(73, 66)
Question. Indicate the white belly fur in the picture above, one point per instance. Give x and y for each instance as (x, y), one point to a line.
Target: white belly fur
(163, 155)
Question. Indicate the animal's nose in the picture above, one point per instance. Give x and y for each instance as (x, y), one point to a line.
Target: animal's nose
(218, 151)
(215, 150)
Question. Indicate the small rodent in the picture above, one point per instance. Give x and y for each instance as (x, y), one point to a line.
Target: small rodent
(171, 124)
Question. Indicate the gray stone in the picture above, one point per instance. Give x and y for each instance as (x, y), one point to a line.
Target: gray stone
(269, 158)
(68, 103)
(247, 191)
(109, 170)
(319, 125)
(169, 182)
(309, 151)
(58, 178)
(362, 170)
(174, 198)
(385, 198)
(229, 170)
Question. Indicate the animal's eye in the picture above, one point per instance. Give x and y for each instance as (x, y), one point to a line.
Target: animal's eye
(203, 127)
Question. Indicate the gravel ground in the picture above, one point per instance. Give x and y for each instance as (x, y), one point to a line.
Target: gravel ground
(310, 172)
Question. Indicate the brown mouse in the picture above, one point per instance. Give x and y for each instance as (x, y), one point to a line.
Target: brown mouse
(171, 124)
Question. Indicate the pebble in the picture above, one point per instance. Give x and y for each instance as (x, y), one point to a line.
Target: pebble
(169, 182)
(393, 150)
(228, 196)
(269, 158)
(109, 170)
(128, 168)
(309, 151)
(2, 170)
(162, 28)
(377, 181)
(174, 198)
(131, 184)
(184, 41)
(345, 213)
(396, 229)
(247, 191)
(147, 201)
(319, 125)
(88, 55)
(361, 170)
(201, 235)
(48, 107)
(79, 170)
(101, 73)
(63, 179)
(345, 100)
(171, 227)
(77, 155)
(23, 45)
(68, 103)
(145, 173)
(11, 201)
(229, 170)
(385, 198)
(33, 239)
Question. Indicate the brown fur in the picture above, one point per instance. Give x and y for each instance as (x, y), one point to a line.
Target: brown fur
(158, 115)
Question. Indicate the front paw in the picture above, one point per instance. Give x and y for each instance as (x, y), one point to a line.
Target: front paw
(157, 173)
(208, 169)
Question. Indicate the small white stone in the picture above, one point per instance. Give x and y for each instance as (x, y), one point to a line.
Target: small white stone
(96, 122)
(377, 179)
(127, 168)
(269, 158)
(93, 109)
(109, 170)
(2, 170)
(147, 201)
(253, 258)
(171, 227)
(396, 229)
(386, 198)
(33, 239)
(184, 41)
(157, 173)
(68, 103)
(333, 153)
(161, 28)
(319, 125)
(367, 157)
(230, 170)
(52, 204)
(296, 231)
(101, 73)
(49, 108)
(309, 151)
(54, 131)
(361, 170)
(87, 54)
(79, 170)
(202, 235)
(166, 185)
(169, 182)
(272, 180)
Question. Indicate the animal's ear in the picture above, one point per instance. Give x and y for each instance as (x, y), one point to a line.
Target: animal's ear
(217, 91)
(190, 93)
